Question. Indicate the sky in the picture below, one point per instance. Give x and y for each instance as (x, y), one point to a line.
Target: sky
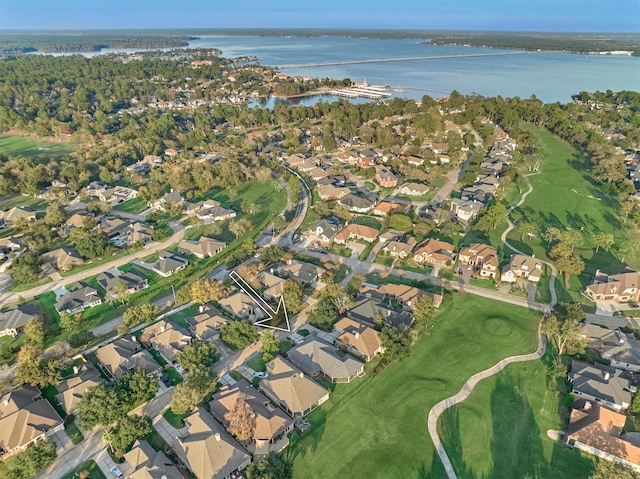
(510, 15)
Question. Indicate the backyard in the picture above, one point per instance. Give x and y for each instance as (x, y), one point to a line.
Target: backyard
(365, 425)
(511, 412)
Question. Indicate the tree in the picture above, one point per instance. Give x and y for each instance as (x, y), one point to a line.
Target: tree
(336, 294)
(400, 222)
(240, 226)
(355, 283)
(611, 470)
(272, 254)
(139, 386)
(424, 312)
(603, 240)
(275, 466)
(294, 188)
(89, 244)
(239, 334)
(126, 431)
(526, 229)
(557, 369)
(269, 346)
(566, 261)
(68, 321)
(396, 342)
(204, 290)
(33, 369)
(121, 292)
(34, 332)
(293, 296)
(54, 215)
(565, 335)
(143, 313)
(241, 419)
(31, 461)
(570, 312)
(192, 391)
(492, 217)
(198, 353)
(423, 227)
(550, 235)
(26, 267)
(571, 237)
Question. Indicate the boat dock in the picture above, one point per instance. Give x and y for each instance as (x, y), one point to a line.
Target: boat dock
(363, 90)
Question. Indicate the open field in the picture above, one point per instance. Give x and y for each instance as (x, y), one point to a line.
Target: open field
(20, 146)
(135, 206)
(511, 413)
(10, 201)
(378, 425)
(567, 196)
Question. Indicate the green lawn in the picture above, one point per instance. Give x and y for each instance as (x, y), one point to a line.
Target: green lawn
(383, 259)
(180, 316)
(8, 202)
(543, 293)
(175, 376)
(73, 432)
(135, 206)
(367, 221)
(107, 259)
(483, 283)
(257, 364)
(91, 466)
(176, 420)
(566, 195)
(21, 146)
(377, 426)
(155, 441)
(340, 250)
(15, 287)
(511, 413)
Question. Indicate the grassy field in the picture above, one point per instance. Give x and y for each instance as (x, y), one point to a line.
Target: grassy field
(20, 146)
(377, 426)
(367, 221)
(566, 195)
(500, 430)
(135, 206)
(11, 201)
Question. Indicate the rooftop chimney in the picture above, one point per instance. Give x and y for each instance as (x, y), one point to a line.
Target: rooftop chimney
(6, 401)
(607, 376)
(356, 334)
(217, 436)
(201, 308)
(587, 405)
(75, 370)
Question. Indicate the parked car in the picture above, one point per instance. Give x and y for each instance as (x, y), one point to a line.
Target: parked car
(165, 380)
(179, 368)
(116, 472)
(261, 375)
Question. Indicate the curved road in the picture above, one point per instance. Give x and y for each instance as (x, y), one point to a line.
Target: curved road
(467, 388)
(178, 234)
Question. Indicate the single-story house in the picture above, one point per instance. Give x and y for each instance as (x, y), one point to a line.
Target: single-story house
(13, 321)
(241, 305)
(304, 273)
(331, 192)
(18, 212)
(288, 387)
(317, 358)
(358, 232)
(386, 207)
(272, 424)
(203, 248)
(164, 203)
(167, 338)
(208, 450)
(132, 280)
(273, 285)
(72, 388)
(78, 298)
(168, 263)
(358, 339)
(372, 313)
(124, 355)
(141, 233)
(149, 464)
(63, 259)
(414, 189)
(356, 203)
(207, 323)
(399, 249)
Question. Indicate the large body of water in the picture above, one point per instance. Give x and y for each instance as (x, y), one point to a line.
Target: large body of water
(551, 76)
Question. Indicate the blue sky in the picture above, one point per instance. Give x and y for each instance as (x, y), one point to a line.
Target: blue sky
(532, 15)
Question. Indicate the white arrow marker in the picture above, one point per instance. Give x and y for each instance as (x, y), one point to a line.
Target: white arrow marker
(266, 307)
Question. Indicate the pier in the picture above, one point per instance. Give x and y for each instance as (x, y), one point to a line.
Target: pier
(399, 59)
(363, 90)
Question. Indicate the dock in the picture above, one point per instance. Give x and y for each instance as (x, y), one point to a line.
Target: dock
(363, 90)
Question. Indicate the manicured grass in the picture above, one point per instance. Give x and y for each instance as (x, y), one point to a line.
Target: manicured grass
(483, 283)
(73, 432)
(17, 287)
(369, 185)
(20, 146)
(367, 251)
(257, 364)
(543, 293)
(367, 221)
(500, 430)
(10, 201)
(378, 426)
(340, 250)
(98, 262)
(236, 375)
(91, 466)
(156, 355)
(49, 393)
(383, 259)
(566, 195)
(285, 346)
(135, 206)
(176, 420)
(180, 316)
(155, 441)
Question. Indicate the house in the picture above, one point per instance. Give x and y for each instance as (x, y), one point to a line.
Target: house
(164, 202)
(414, 189)
(598, 431)
(209, 450)
(113, 282)
(349, 157)
(11, 243)
(272, 424)
(603, 384)
(72, 388)
(358, 339)
(207, 323)
(167, 338)
(403, 294)
(203, 248)
(288, 387)
(390, 234)
(168, 263)
(386, 207)
(96, 187)
(210, 211)
(13, 321)
(331, 192)
(78, 298)
(621, 288)
(125, 355)
(374, 313)
(25, 419)
(149, 464)
(17, 213)
(324, 231)
(117, 230)
(335, 180)
(356, 204)
(622, 350)
(304, 273)
(117, 194)
(521, 266)
(141, 233)
(77, 220)
(414, 160)
(399, 249)
(273, 285)
(482, 258)
(317, 358)
(241, 305)
(357, 232)
(479, 192)
(385, 177)
(434, 252)
(63, 259)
